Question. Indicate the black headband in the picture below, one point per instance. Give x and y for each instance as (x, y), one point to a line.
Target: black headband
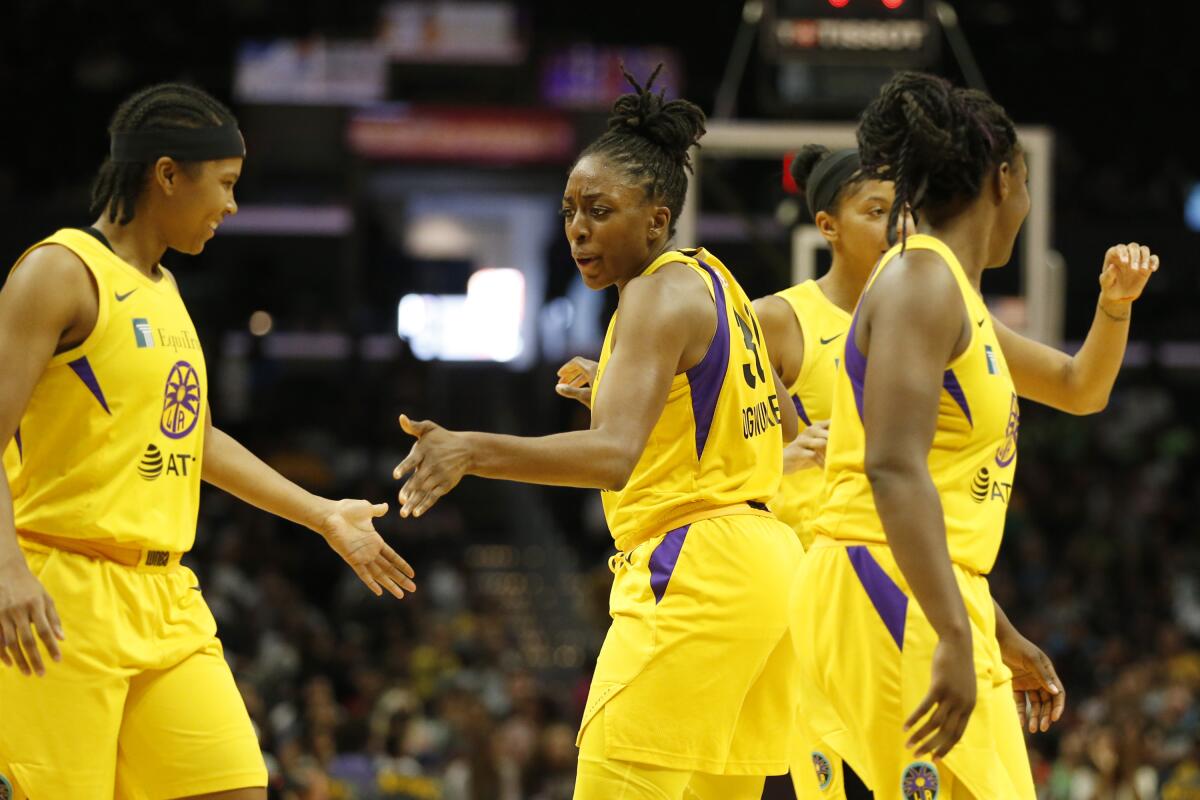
(830, 174)
(181, 144)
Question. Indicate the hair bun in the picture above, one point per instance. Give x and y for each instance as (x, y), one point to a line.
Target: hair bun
(805, 161)
(673, 125)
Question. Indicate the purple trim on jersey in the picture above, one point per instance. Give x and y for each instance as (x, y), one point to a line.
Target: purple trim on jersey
(800, 409)
(84, 370)
(663, 560)
(707, 377)
(889, 601)
(856, 366)
(20, 449)
(950, 384)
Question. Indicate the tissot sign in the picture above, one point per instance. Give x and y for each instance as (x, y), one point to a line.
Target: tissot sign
(899, 33)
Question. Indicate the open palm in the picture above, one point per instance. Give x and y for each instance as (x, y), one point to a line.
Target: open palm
(350, 531)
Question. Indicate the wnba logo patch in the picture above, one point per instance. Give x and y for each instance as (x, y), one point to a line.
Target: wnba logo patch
(151, 465)
(920, 781)
(142, 334)
(823, 769)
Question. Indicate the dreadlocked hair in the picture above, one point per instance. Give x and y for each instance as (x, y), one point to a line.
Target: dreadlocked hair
(801, 169)
(649, 137)
(167, 106)
(935, 141)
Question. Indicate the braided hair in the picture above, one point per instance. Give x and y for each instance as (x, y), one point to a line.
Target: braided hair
(936, 142)
(167, 106)
(649, 137)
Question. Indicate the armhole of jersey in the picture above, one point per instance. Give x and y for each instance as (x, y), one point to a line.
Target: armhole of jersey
(83, 348)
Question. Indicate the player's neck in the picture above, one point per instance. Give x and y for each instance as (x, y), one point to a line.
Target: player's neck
(968, 237)
(841, 285)
(137, 243)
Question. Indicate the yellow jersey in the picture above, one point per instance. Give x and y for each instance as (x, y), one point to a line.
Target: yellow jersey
(823, 324)
(717, 446)
(110, 446)
(974, 450)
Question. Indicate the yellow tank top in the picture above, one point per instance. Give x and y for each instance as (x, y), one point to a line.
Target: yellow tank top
(110, 445)
(717, 445)
(823, 325)
(974, 450)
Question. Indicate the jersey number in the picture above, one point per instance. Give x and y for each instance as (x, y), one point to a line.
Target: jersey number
(751, 336)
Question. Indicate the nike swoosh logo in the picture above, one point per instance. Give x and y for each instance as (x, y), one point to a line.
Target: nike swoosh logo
(121, 297)
(830, 339)
(980, 323)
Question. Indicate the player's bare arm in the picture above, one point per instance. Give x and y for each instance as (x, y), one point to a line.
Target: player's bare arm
(1081, 384)
(665, 322)
(48, 305)
(909, 338)
(346, 525)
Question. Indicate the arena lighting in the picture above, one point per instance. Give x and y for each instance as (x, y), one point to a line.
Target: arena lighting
(839, 3)
(482, 325)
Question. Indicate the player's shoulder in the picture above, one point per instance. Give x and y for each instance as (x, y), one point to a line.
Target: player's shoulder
(49, 269)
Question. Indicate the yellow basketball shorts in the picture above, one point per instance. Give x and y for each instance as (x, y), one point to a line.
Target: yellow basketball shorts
(865, 654)
(697, 672)
(142, 704)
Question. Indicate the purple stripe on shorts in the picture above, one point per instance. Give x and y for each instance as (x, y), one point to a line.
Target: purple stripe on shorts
(20, 449)
(799, 404)
(889, 601)
(707, 377)
(856, 366)
(84, 370)
(662, 561)
(950, 384)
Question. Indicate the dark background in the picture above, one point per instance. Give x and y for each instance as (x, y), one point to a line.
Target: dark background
(473, 686)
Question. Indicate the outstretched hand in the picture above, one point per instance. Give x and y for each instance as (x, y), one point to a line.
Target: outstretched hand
(351, 533)
(437, 462)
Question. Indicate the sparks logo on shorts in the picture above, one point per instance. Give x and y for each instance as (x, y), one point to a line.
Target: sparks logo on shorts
(993, 368)
(920, 781)
(823, 769)
(141, 332)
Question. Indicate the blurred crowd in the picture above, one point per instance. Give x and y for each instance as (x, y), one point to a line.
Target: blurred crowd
(435, 696)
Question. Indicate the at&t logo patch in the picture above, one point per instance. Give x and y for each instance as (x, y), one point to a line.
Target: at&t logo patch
(155, 463)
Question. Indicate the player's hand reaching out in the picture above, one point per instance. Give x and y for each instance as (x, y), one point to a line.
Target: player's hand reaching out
(25, 607)
(807, 450)
(437, 462)
(575, 379)
(951, 699)
(350, 531)
(1126, 269)
(1038, 692)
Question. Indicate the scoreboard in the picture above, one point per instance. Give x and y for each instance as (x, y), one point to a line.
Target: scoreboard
(893, 33)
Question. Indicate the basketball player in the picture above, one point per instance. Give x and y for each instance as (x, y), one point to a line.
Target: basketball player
(104, 399)
(692, 689)
(921, 456)
(801, 325)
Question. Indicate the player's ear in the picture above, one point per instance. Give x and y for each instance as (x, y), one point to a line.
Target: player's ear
(660, 224)
(828, 226)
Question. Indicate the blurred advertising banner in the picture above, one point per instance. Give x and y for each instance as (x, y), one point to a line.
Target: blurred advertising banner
(516, 135)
